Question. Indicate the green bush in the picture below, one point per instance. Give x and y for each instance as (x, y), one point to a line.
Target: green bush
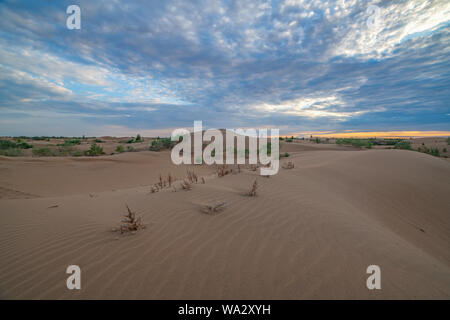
(7, 144)
(12, 152)
(120, 149)
(359, 143)
(95, 150)
(43, 152)
(405, 145)
(284, 155)
(70, 142)
(435, 152)
(98, 141)
(138, 138)
(160, 144)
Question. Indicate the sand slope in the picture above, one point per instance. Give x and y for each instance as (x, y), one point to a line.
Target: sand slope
(310, 232)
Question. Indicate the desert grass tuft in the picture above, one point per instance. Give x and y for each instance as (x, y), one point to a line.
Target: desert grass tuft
(186, 185)
(215, 208)
(222, 171)
(252, 192)
(289, 165)
(130, 223)
(192, 177)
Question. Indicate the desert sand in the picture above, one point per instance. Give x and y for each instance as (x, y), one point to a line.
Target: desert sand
(309, 233)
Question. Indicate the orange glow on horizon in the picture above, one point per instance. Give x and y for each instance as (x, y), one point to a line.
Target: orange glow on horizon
(378, 134)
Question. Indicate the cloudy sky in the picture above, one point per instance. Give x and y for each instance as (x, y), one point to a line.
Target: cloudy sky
(151, 66)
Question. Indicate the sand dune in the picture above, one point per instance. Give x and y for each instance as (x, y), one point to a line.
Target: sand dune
(310, 232)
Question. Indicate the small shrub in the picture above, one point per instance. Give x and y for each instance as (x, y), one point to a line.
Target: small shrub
(289, 165)
(284, 155)
(7, 144)
(435, 152)
(130, 223)
(186, 185)
(43, 152)
(405, 145)
(138, 138)
(160, 143)
(252, 192)
(120, 149)
(214, 208)
(95, 150)
(71, 142)
(11, 152)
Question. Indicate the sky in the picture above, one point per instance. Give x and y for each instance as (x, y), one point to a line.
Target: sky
(149, 67)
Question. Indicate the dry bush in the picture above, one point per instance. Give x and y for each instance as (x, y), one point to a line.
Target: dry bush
(215, 208)
(154, 188)
(239, 169)
(289, 165)
(169, 179)
(252, 192)
(186, 185)
(192, 177)
(253, 167)
(130, 223)
(160, 183)
(222, 171)
(203, 180)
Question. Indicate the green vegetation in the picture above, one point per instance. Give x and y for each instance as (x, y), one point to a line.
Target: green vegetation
(11, 152)
(161, 144)
(136, 140)
(95, 150)
(448, 140)
(289, 139)
(317, 140)
(13, 149)
(70, 142)
(284, 155)
(405, 145)
(120, 149)
(98, 141)
(359, 143)
(434, 152)
(43, 152)
(431, 151)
